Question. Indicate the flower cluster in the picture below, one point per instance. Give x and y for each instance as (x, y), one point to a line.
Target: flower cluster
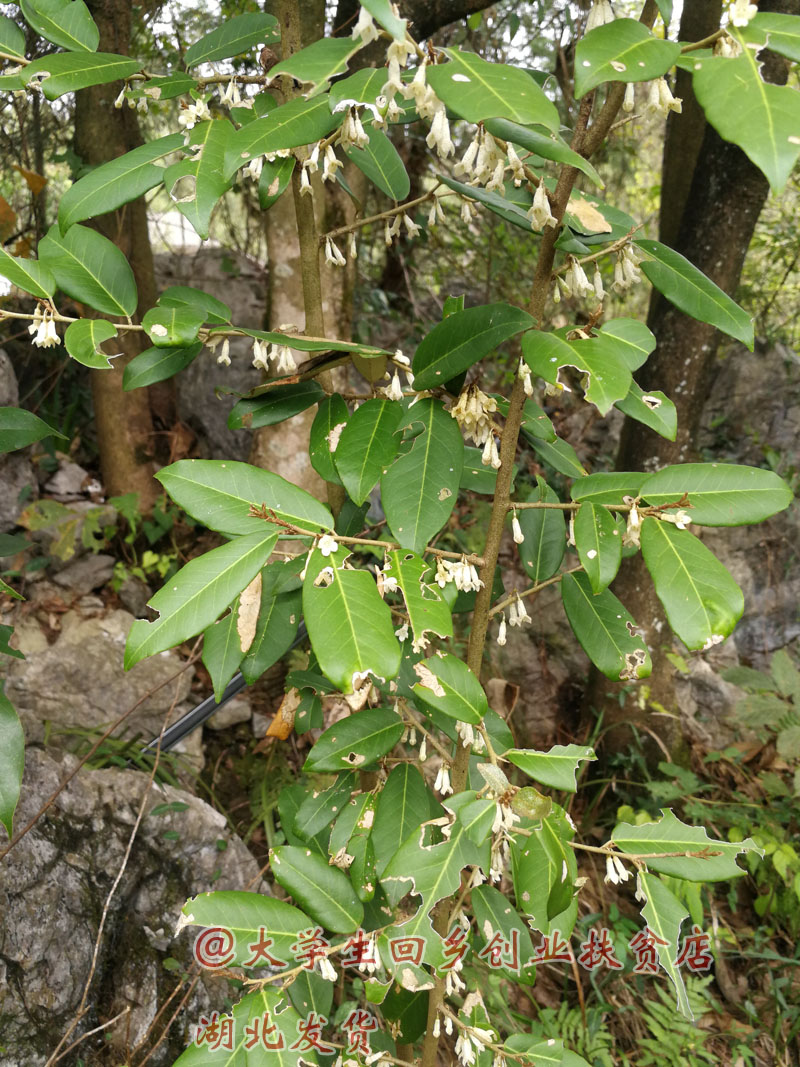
(661, 100)
(616, 871)
(601, 13)
(483, 163)
(517, 613)
(191, 114)
(460, 571)
(574, 282)
(44, 328)
(472, 411)
(626, 269)
(265, 353)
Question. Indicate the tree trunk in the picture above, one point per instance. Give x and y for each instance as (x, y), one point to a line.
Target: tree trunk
(124, 421)
(710, 219)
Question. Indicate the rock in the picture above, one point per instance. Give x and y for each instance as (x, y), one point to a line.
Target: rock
(16, 470)
(68, 483)
(86, 573)
(235, 711)
(134, 594)
(56, 882)
(80, 681)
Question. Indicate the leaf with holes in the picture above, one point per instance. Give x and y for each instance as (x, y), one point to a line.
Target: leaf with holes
(605, 629)
(664, 915)
(196, 184)
(555, 768)
(427, 609)
(405, 802)
(274, 180)
(276, 630)
(330, 420)
(654, 409)
(621, 51)
(82, 339)
(357, 741)
(448, 685)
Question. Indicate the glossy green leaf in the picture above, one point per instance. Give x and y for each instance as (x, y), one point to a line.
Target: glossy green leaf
(12, 38)
(350, 627)
(475, 476)
(419, 490)
(781, 32)
(545, 534)
(244, 915)
(320, 809)
(464, 338)
(494, 915)
(476, 90)
(692, 292)
(381, 163)
(280, 403)
(598, 543)
(184, 295)
(664, 915)
(113, 184)
(66, 23)
(367, 445)
(12, 760)
(449, 686)
(172, 85)
(310, 992)
(383, 13)
(324, 892)
(365, 86)
(665, 7)
(427, 609)
(274, 180)
(318, 62)
(357, 741)
(544, 870)
(654, 409)
(407, 1011)
(67, 72)
(608, 487)
(309, 344)
(170, 327)
(702, 601)
(91, 269)
(330, 420)
(158, 364)
(719, 494)
(293, 124)
(669, 834)
(196, 184)
(550, 1053)
(276, 630)
(621, 51)
(194, 597)
(20, 428)
(605, 630)
(546, 145)
(555, 768)
(28, 275)
(82, 339)
(233, 37)
(513, 211)
(219, 494)
(559, 454)
(222, 651)
(764, 122)
(404, 803)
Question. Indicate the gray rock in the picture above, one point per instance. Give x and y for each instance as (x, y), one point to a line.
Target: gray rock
(134, 594)
(17, 475)
(68, 483)
(235, 711)
(86, 573)
(56, 882)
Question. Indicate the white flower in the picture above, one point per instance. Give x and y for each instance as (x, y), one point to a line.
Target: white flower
(305, 183)
(495, 183)
(524, 372)
(326, 970)
(423, 750)
(501, 633)
(728, 47)
(194, 113)
(394, 391)
(121, 98)
(442, 783)
(516, 529)
(44, 328)
(629, 100)
(515, 163)
(313, 159)
(517, 614)
(411, 226)
(327, 544)
(660, 98)
(742, 12)
(435, 214)
(285, 363)
(539, 212)
(254, 168)
(576, 280)
(224, 358)
(472, 412)
(231, 96)
(439, 135)
(333, 254)
(365, 28)
(597, 284)
(601, 13)
(490, 457)
(465, 166)
(466, 733)
(391, 230)
(633, 532)
(616, 871)
(402, 633)
(330, 164)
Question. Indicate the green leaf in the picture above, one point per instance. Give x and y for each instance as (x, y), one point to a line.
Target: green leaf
(404, 803)
(320, 809)
(383, 13)
(12, 760)
(113, 184)
(323, 891)
(280, 403)
(703, 603)
(669, 834)
(427, 609)
(308, 344)
(608, 487)
(233, 37)
(70, 71)
(158, 364)
(545, 533)
(195, 185)
(786, 675)
(449, 686)
(28, 275)
(367, 445)
(169, 327)
(91, 269)
(276, 630)
(781, 32)
(83, 338)
(654, 409)
(275, 177)
(244, 914)
(621, 51)
(356, 742)
(172, 85)
(598, 543)
(222, 651)
(692, 292)
(546, 145)
(331, 418)
(12, 39)
(293, 124)
(219, 494)
(719, 494)
(664, 915)
(544, 871)
(183, 295)
(349, 625)
(605, 630)
(665, 7)
(381, 163)
(763, 123)
(555, 768)
(419, 490)
(476, 90)
(66, 23)
(198, 593)
(318, 62)
(494, 915)
(463, 339)
(20, 428)
(559, 454)
(474, 476)
(512, 207)
(364, 87)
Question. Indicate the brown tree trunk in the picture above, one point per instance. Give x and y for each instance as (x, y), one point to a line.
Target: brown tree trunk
(125, 430)
(710, 219)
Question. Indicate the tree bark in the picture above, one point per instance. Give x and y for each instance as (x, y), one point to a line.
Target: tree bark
(125, 429)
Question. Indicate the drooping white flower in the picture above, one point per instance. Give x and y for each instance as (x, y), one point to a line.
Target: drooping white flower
(501, 632)
(601, 13)
(472, 411)
(231, 96)
(412, 228)
(260, 354)
(597, 283)
(330, 164)
(616, 871)
(539, 212)
(629, 100)
(633, 531)
(224, 358)
(326, 969)
(467, 161)
(516, 529)
(660, 98)
(439, 134)
(44, 329)
(121, 98)
(517, 168)
(518, 614)
(194, 113)
(490, 457)
(442, 783)
(576, 280)
(253, 168)
(524, 372)
(333, 254)
(284, 360)
(742, 12)
(365, 27)
(394, 391)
